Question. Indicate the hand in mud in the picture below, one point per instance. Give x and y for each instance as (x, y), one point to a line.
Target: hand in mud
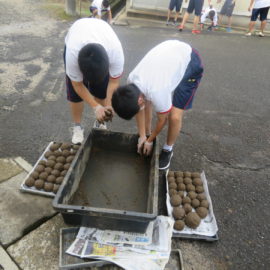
(147, 148)
(108, 114)
(100, 113)
(140, 144)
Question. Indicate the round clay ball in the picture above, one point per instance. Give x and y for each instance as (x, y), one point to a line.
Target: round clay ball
(192, 195)
(190, 187)
(187, 174)
(205, 203)
(171, 179)
(43, 176)
(175, 200)
(202, 212)
(59, 166)
(65, 146)
(181, 193)
(178, 213)
(179, 225)
(39, 184)
(57, 153)
(42, 162)
(52, 157)
(172, 192)
(51, 178)
(187, 207)
(59, 180)
(192, 220)
(66, 166)
(195, 175)
(35, 174)
(69, 159)
(55, 173)
(48, 187)
(201, 197)
(48, 153)
(55, 188)
(48, 170)
(51, 163)
(75, 146)
(65, 153)
(186, 199)
(63, 173)
(199, 189)
(187, 180)
(172, 186)
(30, 181)
(197, 182)
(195, 203)
(54, 146)
(179, 174)
(179, 180)
(40, 168)
(61, 159)
(181, 187)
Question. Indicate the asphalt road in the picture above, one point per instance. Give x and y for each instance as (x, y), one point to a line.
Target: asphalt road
(226, 134)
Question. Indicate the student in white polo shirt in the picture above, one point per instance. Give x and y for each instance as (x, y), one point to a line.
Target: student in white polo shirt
(167, 79)
(99, 7)
(94, 63)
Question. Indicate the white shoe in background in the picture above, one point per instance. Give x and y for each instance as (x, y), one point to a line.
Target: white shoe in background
(77, 135)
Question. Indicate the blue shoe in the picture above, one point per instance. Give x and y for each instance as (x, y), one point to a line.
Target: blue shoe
(229, 29)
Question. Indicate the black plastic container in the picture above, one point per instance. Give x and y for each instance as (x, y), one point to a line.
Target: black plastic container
(110, 186)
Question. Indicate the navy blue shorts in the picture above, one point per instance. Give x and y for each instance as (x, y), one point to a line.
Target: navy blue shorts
(197, 5)
(263, 12)
(227, 8)
(97, 90)
(175, 4)
(185, 91)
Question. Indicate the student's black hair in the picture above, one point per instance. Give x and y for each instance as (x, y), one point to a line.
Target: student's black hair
(105, 3)
(211, 15)
(93, 62)
(125, 101)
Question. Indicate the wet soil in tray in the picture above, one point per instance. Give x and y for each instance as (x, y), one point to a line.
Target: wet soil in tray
(114, 180)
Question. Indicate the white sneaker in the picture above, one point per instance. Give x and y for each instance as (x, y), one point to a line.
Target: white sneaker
(77, 136)
(248, 34)
(261, 34)
(100, 126)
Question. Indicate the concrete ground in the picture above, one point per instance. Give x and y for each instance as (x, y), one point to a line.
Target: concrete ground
(226, 134)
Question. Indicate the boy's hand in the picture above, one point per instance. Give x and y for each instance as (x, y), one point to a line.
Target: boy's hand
(147, 148)
(108, 114)
(140, 144)
(100, 113)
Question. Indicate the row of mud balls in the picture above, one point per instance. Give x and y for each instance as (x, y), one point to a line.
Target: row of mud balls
(186, 192)
(49, 173)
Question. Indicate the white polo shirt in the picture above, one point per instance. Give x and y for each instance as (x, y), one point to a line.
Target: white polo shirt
(98, 5)
(91, 30)
(261, 3)
(160, 71)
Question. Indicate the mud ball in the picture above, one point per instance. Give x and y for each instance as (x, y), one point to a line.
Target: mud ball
(65, 153)
(54, 146)
(178, 213)
(52, 157)
(205, 203)
(201, 197)
(190, 187)
(51, 178)
(172, 186)
(199, 189)
(192, 220)
(40, 168)
(66, 166)
(187, 174)
(30, 181)
(171, 180)
(179, 180)
(192, 195)
(61, 159)
(55, 172)
(195, 203)
(51, 163)
(59, 166)
(75, 146)
(186, 200)
(175, 200)
(202, 212)
(187, 180)
(43, 176)
(181, 187)
(197, 182)
(69, 159)
(42, 162)
(172, 192)
(179, 225)
(55, 188)
(170, 174)
(195, 175)
(34, 174)
(57, 153)
(181, 193)
(179, 174)
(48, 153)
(39, 184)
(187, 207)
(48, 187)
(63, 173)
(48, 170)
(65, 146)
(59, 180)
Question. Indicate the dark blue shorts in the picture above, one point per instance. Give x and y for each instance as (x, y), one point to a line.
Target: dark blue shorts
(227, 8)
(263, 12)
(197, 5)
(175, 4)
(97, 90)
(185, 91)
(92, 9)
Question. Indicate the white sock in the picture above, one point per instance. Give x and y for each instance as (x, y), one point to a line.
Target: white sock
(167, 147)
